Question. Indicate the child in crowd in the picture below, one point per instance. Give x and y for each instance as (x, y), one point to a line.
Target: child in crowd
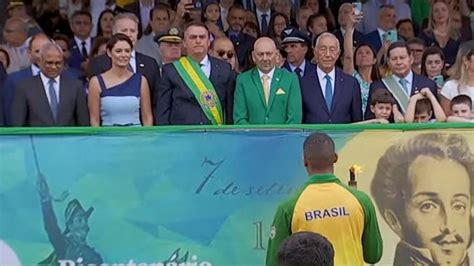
(461, 109)
(383, 106)
(421, 107)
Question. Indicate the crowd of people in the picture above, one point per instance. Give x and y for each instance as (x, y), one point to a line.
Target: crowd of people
(94, 63)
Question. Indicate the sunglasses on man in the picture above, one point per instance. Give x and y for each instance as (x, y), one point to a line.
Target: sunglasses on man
(228, 54)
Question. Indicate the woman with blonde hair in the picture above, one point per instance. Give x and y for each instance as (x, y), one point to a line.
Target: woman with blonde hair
(461, 80)
(440, 31)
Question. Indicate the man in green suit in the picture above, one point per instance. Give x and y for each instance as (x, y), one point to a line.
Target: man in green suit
(267, 94)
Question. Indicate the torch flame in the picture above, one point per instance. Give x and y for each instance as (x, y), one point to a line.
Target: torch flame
(356, 169)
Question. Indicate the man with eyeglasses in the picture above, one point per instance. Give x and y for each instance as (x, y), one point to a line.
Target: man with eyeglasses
(267, 94)
(417, 48)
(50, 98)
(223, 48)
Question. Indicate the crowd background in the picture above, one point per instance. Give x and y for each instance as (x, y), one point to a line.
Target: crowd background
(374, 61)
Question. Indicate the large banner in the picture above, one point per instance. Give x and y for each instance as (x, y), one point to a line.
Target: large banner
(208, 198)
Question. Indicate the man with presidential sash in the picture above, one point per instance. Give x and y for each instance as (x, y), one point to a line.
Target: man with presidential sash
(402, 83)
(267, 94)
(196, 89)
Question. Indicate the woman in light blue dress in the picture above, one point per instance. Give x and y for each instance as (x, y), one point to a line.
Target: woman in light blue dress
(119, 97)
(360, 63)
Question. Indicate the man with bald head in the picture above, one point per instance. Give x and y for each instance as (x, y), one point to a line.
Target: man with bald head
(267, 94)
(329, 95)
(15, 35)
(50, 98)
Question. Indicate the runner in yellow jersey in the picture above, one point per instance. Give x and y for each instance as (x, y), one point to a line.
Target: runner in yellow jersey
(344, 215)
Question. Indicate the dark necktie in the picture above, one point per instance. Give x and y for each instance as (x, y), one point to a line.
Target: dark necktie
(84, 50)
(264, 24)
(298, 72)
(53, 104)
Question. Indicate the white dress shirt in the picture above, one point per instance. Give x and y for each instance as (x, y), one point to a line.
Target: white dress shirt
(302, 67)
(79, 44)
(408, 78)
(35, 70)
(45, 81)
(323, 81)
(269, 74)
(381, 35)
(205, 65)
(133, 61)
(145, 14)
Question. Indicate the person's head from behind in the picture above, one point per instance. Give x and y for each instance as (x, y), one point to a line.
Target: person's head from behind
(119, 49)
(381, 104)
(319, 153)
(423, 188)
(406, 29)
(52, 60)
(423, 111)
(306, 249)
(461, 106)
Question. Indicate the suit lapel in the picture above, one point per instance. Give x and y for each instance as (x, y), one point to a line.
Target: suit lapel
(414, 85)
(40, 91)
(275, 84)
(258, 84)
(338, 89)
(63, 96)
(215, 72)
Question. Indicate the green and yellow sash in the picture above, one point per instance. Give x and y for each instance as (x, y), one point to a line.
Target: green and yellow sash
(398, 92)
(201, 87)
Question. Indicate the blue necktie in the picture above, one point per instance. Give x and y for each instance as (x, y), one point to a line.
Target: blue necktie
(53, 98)
(404, 84)
(328, 92)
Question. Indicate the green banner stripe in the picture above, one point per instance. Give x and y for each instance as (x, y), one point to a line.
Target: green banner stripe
(305, 127)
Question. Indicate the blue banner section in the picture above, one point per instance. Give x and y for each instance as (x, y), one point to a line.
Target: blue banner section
(155, 198)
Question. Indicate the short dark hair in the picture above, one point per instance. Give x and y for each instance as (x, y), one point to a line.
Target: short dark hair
(423, 106)
(160, 7)
(403, 21)
(196, 24)
(381, 96)
(61, 37)
(313, 17)
(236, 6)
(117, 38)
(319, 149)
(416, 40)
(461, 99)
(81, 13)
(398, 44)
(306, 249)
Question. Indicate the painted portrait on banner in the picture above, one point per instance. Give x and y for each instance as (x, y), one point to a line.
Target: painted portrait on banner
(422, 186)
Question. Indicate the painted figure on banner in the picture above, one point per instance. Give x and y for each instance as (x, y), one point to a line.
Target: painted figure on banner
(423, 189)
(71, 244)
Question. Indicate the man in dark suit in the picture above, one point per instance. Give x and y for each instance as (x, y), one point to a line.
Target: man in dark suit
(138, 8)
(296, 44)
(34, 53)
(179, 102)
(403, 82)
(243, 42)
(50, 99)
(329, 95)
(81, 44)
(387, 20)
(263, 13)
(127, 23)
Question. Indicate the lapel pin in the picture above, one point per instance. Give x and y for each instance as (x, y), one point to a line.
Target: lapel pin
(142, 65)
